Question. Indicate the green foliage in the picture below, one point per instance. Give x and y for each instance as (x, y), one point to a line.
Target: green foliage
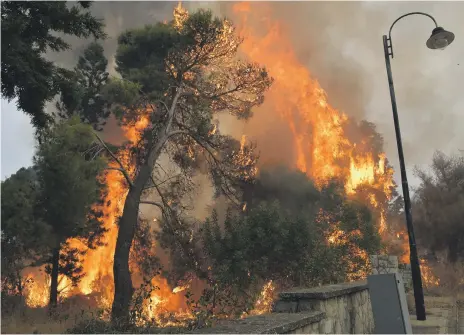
(141, 57)
(439, 206)
(267, 243)
(29, 30)
(124, 95)
(81, 93)
(198, 56)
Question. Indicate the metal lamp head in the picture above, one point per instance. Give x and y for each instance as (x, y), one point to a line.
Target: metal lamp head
(440, 39)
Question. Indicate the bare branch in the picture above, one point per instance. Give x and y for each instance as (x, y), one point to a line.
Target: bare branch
(172, 110)
(164, 181)
(114, 168)
(177, 132)
(216, 162)
(97, 153)
(123, 170)
(153, 203)
(164, 104)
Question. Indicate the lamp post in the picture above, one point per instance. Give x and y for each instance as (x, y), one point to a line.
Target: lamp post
(439, 39)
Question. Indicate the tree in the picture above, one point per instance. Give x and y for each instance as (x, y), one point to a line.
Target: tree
(29, 29)
(23, 235)
(68, 191)
(82, 95)
(439, 206)
(179, 76)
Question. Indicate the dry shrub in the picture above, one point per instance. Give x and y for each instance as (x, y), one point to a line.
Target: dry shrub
(451, 279)
(27, 320)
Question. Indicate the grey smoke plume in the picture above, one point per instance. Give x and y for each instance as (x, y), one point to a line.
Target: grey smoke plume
(341, 44)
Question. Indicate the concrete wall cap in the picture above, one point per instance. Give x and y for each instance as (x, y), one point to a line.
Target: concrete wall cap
(323, 292)
(279, 323)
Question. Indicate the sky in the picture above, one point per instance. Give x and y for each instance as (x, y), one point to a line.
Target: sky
(341, 44)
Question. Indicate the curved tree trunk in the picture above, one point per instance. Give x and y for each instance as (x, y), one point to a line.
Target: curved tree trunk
(123, 289)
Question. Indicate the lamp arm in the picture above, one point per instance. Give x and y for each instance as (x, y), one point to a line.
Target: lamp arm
(408, 14)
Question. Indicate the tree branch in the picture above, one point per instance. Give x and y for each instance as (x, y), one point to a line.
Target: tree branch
(164, 104)
(153, 203)
(172, 110)
(217, 163)
(164, 181)
(177, 132)
(123, 170)
(114, 168)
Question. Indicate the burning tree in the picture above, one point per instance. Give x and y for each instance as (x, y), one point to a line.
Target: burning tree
(178, 77)
(67, 175)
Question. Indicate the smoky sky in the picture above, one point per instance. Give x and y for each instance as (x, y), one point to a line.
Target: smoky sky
(341, 44)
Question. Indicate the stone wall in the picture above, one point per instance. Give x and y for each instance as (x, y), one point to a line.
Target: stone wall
(347, 307)
(343, 308)
(406, 275)
(382, 264)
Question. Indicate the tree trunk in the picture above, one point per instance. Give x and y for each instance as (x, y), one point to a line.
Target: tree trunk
(54, 278)
(123, 289)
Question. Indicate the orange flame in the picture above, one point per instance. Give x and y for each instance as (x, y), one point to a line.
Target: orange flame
(428, 277)
(265, 300)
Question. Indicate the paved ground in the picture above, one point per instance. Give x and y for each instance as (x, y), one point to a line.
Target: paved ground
(445, 315)
(460, 317)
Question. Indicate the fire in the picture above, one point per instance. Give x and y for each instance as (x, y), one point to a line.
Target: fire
(338, 237)
(164, 302)
(321, 145)
(180, 15)
(265, 300)
(404, 242)
(38, 292)
(428, 277)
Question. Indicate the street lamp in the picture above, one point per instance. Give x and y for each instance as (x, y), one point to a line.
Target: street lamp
(439, 39)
